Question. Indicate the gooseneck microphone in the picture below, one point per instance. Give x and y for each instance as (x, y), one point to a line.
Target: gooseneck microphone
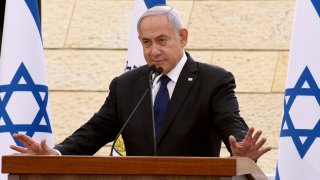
(152, 70)
(157, 72)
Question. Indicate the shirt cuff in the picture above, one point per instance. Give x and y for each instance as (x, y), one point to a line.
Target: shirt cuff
(58, 152)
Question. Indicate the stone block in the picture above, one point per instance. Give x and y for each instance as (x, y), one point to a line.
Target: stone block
(263, 112)
(253, 70)
(100, 24)
(201, 56)
(281, 72)
(253, 25)
(83, 70)
(56, 17)
(70, 110)
(107, 24)
(184, 8)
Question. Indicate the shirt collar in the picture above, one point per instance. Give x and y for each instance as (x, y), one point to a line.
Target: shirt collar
(175, 72)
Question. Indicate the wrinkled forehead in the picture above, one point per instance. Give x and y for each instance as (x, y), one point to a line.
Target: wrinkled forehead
(155, 26)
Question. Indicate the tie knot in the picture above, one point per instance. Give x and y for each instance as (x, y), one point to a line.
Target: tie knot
(164, 80)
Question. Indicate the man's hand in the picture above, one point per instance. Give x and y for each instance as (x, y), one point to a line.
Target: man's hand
(32, 147)
(250, 146)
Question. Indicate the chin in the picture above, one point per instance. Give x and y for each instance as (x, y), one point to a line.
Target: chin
(158, 65)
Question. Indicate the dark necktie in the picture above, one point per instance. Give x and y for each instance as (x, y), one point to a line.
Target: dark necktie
(160, 103)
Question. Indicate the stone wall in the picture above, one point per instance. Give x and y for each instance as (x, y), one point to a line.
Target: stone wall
(86, 46)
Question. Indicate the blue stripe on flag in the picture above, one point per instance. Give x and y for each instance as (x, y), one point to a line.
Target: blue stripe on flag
(277, 173)
(151, 3)
(316, 4)
(33, 7)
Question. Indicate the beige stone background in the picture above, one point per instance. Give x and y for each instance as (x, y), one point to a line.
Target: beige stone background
(86, 46)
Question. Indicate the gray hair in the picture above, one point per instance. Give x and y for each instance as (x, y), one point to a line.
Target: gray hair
(171, 14)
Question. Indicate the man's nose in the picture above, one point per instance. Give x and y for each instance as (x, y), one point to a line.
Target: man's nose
(155, 50)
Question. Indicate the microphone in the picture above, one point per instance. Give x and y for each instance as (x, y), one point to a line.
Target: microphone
(159, 70)
(156, 72)
(152, 69)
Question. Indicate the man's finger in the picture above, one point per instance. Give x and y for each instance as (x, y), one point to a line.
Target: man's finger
(233, 142)
(25, 140)
(18, 149)
(46, 149)
(43, 145)
(249, 135)
(21, 138)
(256, 136)
(263, 151)
(260, 143)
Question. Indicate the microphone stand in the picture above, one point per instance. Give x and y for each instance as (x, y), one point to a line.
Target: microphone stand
(152, 70)
(157, 72)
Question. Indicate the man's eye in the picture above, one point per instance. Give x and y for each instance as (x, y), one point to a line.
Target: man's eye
(162, 41)
(146, 43)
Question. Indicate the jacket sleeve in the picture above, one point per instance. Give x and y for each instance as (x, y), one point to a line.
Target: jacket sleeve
(226, 110)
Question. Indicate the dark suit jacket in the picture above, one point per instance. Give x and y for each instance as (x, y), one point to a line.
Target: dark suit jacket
(202, 111)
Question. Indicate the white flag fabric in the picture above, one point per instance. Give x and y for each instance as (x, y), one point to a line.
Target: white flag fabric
(299, 145)
(24, 105)
(135, 56)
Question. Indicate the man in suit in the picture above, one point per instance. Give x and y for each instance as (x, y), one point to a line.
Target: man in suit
(202, 108)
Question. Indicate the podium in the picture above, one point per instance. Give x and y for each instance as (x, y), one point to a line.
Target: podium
(23, 167)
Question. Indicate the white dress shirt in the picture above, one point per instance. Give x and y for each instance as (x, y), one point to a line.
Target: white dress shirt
(173, 75)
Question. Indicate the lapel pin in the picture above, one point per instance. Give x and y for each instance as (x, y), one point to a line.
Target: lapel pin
(190, 79)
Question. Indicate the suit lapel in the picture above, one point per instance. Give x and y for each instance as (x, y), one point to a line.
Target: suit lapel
(185, 81)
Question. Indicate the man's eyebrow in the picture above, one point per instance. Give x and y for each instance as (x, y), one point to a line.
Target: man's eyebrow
(161, 36)
(158, 37)
(145, 39)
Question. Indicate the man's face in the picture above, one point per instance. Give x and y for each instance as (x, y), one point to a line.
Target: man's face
(162, 46)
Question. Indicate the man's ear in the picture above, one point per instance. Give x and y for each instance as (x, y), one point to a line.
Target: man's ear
(183, 36)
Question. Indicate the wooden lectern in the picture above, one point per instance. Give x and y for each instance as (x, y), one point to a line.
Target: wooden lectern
(129, 168)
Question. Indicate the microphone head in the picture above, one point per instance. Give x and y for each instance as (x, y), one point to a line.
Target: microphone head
(152, 68)
(154, 71)
(159, 70)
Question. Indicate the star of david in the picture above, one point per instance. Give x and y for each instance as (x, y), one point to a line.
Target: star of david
(36, 90)
(290, 130)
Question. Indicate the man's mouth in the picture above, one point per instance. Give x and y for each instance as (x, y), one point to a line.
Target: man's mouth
(157, 61)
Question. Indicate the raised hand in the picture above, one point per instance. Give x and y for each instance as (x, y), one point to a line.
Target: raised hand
(32, 146)
(250, 147)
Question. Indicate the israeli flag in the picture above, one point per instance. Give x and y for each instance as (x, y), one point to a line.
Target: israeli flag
(24, 105)
(135, 56)
(299, 146)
